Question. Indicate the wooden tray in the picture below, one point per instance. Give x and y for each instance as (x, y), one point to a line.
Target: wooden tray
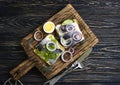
(29, 44)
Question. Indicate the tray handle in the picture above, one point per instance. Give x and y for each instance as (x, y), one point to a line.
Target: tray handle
(23, 68)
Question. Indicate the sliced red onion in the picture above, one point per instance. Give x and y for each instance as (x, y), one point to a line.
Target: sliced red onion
(69, 28)
(63, 55)
(41, 34)
(47, 46)
(77, 36)
(72, 50)
(66, 43)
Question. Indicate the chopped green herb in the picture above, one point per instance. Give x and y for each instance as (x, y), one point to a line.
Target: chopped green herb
(46, 55)
(51, 46)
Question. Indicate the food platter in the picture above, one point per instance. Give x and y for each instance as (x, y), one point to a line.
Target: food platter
(51, 67)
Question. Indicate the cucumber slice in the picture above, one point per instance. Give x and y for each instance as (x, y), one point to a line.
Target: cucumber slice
(67, 21)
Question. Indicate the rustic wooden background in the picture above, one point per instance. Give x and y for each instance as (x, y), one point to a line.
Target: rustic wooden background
(19, 17)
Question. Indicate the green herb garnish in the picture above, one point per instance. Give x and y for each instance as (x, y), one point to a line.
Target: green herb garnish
(51, 46)
(46, 54)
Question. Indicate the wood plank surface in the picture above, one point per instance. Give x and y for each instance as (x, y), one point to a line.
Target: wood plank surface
(19, 18)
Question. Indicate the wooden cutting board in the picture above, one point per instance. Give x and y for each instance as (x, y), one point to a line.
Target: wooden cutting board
(50, 71)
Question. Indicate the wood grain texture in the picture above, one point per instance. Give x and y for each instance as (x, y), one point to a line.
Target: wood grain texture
(18, 18)
(29, 43)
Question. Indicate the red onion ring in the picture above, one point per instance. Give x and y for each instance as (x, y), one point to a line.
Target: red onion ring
(36, 34)
(62, 56)
(77, 35)
(72, 50)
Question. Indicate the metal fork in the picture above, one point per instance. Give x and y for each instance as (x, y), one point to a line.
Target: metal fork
(76, 65)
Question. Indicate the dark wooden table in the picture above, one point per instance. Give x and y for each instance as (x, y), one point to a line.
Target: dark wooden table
(19, 18)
